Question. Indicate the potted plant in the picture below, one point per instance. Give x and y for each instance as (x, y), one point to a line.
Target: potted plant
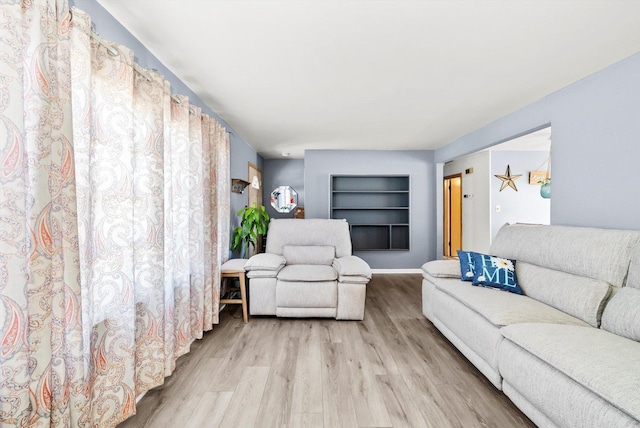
(254, 222)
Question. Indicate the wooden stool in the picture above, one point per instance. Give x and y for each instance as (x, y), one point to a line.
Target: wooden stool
(234, 268)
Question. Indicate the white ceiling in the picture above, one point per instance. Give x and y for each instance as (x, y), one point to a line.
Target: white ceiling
(290, 75)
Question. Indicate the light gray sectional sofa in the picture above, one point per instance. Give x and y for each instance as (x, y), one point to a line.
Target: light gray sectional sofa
(308, 271)
(567, 353)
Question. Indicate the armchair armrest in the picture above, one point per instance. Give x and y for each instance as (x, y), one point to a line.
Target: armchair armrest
(265, 262)
(352, 266)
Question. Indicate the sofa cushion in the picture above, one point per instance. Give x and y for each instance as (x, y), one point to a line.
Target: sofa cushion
(309, 254)
(633, 279)
(495, 272)
(604, 363)
(600, 254)
(622, 314)
(467, 271)
(549, 398)
(442, 269)
(233, 265)
(581, 297)
(307, 273)
(502, 308)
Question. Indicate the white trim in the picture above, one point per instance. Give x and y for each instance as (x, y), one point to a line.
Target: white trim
(139, 397)
(396, 271)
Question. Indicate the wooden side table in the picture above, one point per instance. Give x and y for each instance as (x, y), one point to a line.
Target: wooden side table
(234, 268)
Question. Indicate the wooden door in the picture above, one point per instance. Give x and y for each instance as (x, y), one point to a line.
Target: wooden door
(452, 236)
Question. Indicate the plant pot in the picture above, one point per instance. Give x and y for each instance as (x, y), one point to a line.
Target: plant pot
(545, 190)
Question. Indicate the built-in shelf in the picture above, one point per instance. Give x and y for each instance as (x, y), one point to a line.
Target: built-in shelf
(377, 209)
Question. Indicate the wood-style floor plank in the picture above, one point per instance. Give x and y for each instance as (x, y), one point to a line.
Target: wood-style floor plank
(306, 420)
(365, 393)
(307, 384)
(275, 408)
(210, 410)
(402, 410)
(393, 369)
(338, 408)
(378, 352)
(245, 402)
(431, 404)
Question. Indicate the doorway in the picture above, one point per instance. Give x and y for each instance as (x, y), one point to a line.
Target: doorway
(484, 207)
(255, 197)
(452, 215)
(255, 188)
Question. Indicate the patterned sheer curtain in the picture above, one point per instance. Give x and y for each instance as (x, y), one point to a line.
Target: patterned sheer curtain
(114, 217)
(41, 339)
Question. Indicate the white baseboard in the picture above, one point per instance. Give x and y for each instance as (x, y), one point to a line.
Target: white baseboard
(396, 271)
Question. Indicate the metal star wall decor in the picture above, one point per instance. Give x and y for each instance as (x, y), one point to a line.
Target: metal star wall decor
(508, 179)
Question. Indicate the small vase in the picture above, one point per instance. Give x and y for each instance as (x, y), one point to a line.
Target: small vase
(545, 190)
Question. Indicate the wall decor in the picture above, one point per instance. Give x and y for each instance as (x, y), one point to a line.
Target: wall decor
(284, 199)
(238, 185)
(537, 177)
(543, 177)
(508, 179)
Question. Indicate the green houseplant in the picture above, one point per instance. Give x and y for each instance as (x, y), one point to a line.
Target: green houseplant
(254, 222)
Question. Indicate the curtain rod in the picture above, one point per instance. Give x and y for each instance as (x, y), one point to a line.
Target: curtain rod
(114, 52)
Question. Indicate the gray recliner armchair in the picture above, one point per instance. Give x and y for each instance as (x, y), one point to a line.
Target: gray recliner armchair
(308, 271)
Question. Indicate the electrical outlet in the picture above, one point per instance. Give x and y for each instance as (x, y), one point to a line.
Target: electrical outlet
(497, 208)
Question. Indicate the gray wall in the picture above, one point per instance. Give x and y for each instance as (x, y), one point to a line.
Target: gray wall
(596, 134)
(241, 152)
(320, 164)
(524, 206)
(282, 172)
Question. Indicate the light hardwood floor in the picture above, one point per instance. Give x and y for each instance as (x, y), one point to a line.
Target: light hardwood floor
(394, 369)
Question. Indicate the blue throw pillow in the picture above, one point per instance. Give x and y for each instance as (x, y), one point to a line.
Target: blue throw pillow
(466, 265)
(497, 272)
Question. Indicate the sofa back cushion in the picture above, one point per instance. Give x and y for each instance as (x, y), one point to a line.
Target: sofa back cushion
(584, 298)
(622, 313)
(600, 254)
(570, 268)
(309, 254)
(333, 233)
(633, 279)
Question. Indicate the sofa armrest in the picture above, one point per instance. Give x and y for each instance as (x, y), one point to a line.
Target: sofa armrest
(265, 262)
(442, 269)
(352, 266)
